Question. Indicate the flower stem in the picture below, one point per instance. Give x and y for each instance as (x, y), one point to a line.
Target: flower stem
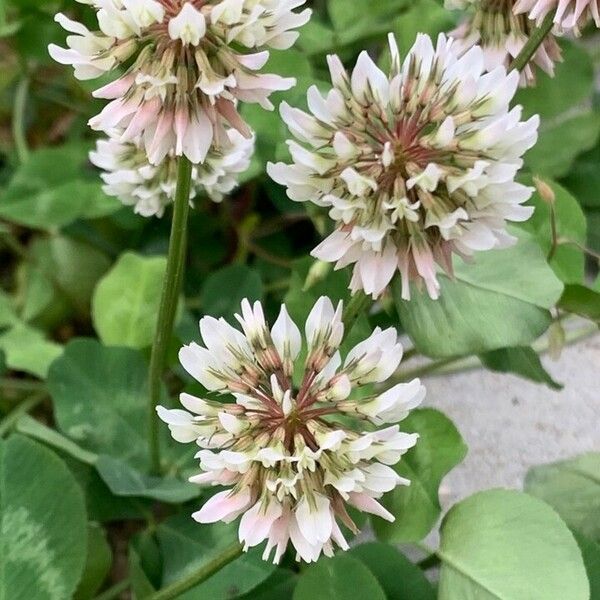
(426, 369)
(20, 106)
(168, 304)
(21, 409)
(533, 43)
(202, 574)
(115, 591)
(358, 304)
(21, 385)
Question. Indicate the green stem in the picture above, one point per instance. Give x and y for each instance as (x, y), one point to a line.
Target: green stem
(358, 304)
(21, 385)
(21, 409)
(554, 233)
(533, 43)
(200, 575)
(115, 591)
(431, 367)
(19, 134)
(567, 242)
(410, 353)
(451, 366)
(168, 304)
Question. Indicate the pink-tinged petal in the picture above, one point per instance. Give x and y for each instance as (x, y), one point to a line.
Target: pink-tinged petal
(308, 552)
(367, 504)
(180, 125)
(115, 89)
(257, 522)
(198, 137)
(224, 506)
(160, 142)
(315, 521)
(334, 247)
(228, 110)
(141, 119)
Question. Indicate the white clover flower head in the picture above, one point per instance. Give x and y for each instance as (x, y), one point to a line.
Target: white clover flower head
(128, 176)
(413, 166)
(569, 15)
(285, 448)
(501, 32)
(193, 61)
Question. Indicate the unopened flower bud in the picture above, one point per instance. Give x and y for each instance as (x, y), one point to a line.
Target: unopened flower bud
(545, 191)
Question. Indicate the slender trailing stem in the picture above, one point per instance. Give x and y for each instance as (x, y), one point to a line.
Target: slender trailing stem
(450, 366)
(533, 43)
(200, 575)
(267, 256)
(115, 591)
(554, 233)
(168, 304)
(567, 242)
(410, 353)
(21, 385)
(358, 304)
(19, 135)
(21, 409)
(431, 367)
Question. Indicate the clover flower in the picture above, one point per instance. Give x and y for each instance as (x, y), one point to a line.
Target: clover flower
(413, 166)
(150, 188)
(191, 61)
(570, 15)
(296, 446)
(501, 32)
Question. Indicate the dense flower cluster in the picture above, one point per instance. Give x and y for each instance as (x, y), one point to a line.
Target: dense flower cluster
(150, 188)
(569, 15)
(414, 166)
(191, 62)
(501, 32)
(287, 452)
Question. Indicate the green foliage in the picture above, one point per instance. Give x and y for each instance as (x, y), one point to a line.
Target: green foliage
(399, 578)
(502, 299)
(416, 507)
(242, 281)
(73, 268)
(569, 126)
(590, 552)
(520, 360)
(92, 384)
(309, 281)
(26, 349)
(566, 259)
(126, 301)
(43, 529)
(186, 547)
(583, 180)
(52, 190)
(423, 16)
(338, 578)
(582, 301)
(572, 487)
(279, 585)
(125, 480)
(506, 545)
(97, 565)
